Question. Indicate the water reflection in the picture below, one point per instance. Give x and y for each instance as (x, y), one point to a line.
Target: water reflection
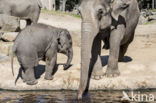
(65, 97)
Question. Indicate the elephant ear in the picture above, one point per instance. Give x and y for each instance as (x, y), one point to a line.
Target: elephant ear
(61, 39)
(40, 3)
(119, 6)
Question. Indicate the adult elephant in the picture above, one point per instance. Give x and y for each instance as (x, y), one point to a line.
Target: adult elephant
(113, 21)
(28, 10)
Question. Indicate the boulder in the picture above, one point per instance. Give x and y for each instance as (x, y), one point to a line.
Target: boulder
(143, 20)
(9, 23)
(8, 36)
(22, 24)
(152, 17)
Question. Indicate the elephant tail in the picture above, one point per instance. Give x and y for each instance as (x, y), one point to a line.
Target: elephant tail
(12, 58)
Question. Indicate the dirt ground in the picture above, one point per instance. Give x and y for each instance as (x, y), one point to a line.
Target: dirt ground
(137, 71)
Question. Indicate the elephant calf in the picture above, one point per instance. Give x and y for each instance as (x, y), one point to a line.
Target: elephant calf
(41, 42)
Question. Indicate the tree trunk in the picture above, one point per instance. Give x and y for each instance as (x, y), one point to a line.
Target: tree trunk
(52, 5)
(48, 4)
(63, 5)
(153, 4)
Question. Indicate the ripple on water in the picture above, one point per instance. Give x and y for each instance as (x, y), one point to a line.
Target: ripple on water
(64, 97)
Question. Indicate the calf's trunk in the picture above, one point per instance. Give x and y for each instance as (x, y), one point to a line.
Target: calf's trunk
(70, 56)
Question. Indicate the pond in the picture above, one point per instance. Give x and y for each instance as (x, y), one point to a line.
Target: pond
(70, 96)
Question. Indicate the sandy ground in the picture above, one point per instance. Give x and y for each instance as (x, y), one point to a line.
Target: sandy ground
(138, 70)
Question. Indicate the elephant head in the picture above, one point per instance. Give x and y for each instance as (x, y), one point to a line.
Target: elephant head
(96, 15)
(65, 46)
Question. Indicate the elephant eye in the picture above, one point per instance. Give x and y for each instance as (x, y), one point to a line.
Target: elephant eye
(100, 13)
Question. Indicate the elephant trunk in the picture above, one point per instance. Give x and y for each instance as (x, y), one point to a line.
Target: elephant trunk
(87, 37)
(70, 57)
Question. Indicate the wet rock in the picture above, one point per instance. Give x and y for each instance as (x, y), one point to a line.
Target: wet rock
(9, 36)
(6, 48)
(9, 23)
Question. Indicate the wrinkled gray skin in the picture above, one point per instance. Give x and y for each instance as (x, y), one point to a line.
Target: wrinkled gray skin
(28, 10)
(114, 22)
(41, 42)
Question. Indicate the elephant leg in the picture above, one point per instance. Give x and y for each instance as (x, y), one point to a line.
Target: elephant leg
(23, 75)
(115, 39)
(97, 72)
(50, 64)
(35, 17)
(106, 43)
(30, 76)
(122, 52)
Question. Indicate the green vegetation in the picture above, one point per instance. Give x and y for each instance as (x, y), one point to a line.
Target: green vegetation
(154, 10)
(149, 22)
(59, 13)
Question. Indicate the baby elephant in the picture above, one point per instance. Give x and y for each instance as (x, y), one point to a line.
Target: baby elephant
(41, 42)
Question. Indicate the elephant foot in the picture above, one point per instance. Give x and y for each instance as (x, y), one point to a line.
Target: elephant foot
(112, 73)
(31, 82)
(97, 75)
(48, 77)
(24, 80)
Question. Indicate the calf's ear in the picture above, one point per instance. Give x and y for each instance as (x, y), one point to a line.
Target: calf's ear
(119, 6)
(61, 39)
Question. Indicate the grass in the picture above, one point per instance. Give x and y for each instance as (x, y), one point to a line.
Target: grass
(154, 10)
(149, 22)
(59, 13)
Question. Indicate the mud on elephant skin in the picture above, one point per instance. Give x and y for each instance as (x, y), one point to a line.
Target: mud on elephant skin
(114, 22)
(41, 42)
(28, 10)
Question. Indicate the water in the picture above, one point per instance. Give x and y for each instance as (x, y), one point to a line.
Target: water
(68, 96)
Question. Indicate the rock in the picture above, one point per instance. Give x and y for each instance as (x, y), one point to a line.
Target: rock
(153, 13)
(76, 11)
(9, 36)
(6, 48)
(143, 20)
(146, 12)
(9, 23)
(22, 24)
(152, 17)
